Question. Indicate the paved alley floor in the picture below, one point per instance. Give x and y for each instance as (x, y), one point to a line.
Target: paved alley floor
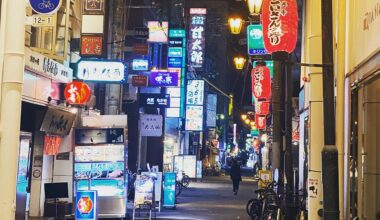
(212, 199)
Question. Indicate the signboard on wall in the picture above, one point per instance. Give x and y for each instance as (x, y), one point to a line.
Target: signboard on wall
(197, 37)
(169, 189)
(57, 121)
(45, 7)
(86, 205)
(150, 125)
(101, 70)
(139, 80)
(163, 79)
(255, 40)
(93, 7)
(195, 92)
(154, 100)
(91, 45)
(140, 64)
(194, 118)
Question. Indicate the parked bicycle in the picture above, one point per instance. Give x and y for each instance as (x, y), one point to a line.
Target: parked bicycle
(183, 179)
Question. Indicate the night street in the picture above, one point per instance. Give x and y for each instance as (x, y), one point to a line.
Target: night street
(212, 199)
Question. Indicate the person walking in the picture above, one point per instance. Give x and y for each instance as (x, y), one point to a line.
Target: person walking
(235, 174)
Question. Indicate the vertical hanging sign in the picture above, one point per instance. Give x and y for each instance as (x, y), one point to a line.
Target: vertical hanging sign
(197, 37)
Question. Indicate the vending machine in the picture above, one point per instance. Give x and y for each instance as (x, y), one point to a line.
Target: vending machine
(100, 163)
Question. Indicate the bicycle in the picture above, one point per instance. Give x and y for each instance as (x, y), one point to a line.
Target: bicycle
(183, 179)
(178, 188)
(46, 4)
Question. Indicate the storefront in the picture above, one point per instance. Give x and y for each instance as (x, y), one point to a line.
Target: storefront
(362, 169)
(41, 115)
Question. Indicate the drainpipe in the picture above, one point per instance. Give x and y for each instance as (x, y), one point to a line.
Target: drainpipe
(13, 28)
(117, 33)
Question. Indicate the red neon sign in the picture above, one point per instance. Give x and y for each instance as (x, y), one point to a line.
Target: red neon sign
(77, 93)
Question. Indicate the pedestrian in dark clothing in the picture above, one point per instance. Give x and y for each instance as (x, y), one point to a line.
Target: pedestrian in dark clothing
(235, 174)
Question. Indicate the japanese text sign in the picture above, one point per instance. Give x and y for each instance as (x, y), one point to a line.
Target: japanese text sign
(151, 125)
(261, 82)
(255, 41)
(280, 23)
(140, 64)
(77, 93)
(197, 37)
(154, 100)
(194, 118)
(163, 78)
(195, 92)
(101, 70)
(139, 80)
(91, 45)
(261, 107)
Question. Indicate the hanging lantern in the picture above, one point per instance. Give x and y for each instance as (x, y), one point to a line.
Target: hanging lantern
(235, 25)
(77, 93)
(261, 121)
(280, 23)
(239, 62)
(262, 107)
(254, 6)
(261, 82)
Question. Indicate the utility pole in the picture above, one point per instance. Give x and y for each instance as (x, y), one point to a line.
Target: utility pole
(330, 172)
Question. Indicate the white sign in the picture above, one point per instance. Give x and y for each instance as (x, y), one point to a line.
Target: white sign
(158, 31)
(151, 125)
(42, 65)
(195, 90)
(172, 112)
(313, 187)
(101, 70)
(38, 20)
(194, 118)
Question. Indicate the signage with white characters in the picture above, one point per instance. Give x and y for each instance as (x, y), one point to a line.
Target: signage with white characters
(151, 125)
(45, 6)
(101, 70)
(197, 37)
(195, 90)
(47, 67)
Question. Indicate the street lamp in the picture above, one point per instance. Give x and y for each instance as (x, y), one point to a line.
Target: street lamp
(244, 116)
(235, 25)
(254, 6)
(239, 62)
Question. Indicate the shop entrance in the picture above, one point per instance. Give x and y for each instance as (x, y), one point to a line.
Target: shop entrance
(23, 176)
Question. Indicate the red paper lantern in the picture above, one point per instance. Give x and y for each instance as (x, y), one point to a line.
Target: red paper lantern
(262, 107)
(77, 93)
(280, 23)
(261, 83)
(261, 121)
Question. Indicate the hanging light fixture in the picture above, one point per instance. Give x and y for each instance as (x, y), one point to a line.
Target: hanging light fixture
(239, 62)
(235, 25)
(244, 116)
(254, 6)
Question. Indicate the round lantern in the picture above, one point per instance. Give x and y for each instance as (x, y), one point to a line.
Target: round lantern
(262, 107)
(280, 23)
(77, 93)
(261, 82)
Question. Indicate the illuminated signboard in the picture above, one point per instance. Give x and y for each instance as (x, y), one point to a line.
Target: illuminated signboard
(194, 118)
(173, 92)
(101, 70)
(195, 90)
(255, 40)
(175, 52)
(177, 33)
(172, 112)
(158, 31)
(154, 100)
(86, 205)
(197, 37)
(169, 189)
(77, 93)
(140, 64)
(163, 79)
(174, 62)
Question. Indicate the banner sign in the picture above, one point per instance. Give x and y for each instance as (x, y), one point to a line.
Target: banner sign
(154, 100)
(195, 92)
(101, 70)
(139, 81)
(45, 6)
(57, 121)
(261, 82)
(150, 125)
(169, 189)
(255, 40)
(194, 118)
(52, 144)
(91, 45)
(163, 79)
(197, 37)
(140, 64)
(86, 205)
(261, 121)
(142, 33)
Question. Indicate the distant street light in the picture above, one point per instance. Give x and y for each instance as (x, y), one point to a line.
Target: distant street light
(235, 25)
(244, 116)
(239, 62)
(247, 121)
(254, 6)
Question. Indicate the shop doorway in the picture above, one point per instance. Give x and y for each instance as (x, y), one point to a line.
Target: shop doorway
(23, 176)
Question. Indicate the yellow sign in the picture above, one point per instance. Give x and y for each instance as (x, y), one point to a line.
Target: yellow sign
(265, 178)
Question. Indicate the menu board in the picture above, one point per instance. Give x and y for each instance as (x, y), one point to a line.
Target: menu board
(99, 153)
(144, 190)
(157, 184)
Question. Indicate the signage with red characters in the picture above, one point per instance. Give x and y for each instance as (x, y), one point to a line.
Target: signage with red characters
(262, 107)
(86, 205)
(261, 82)
(280, 23)
(77, 93)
